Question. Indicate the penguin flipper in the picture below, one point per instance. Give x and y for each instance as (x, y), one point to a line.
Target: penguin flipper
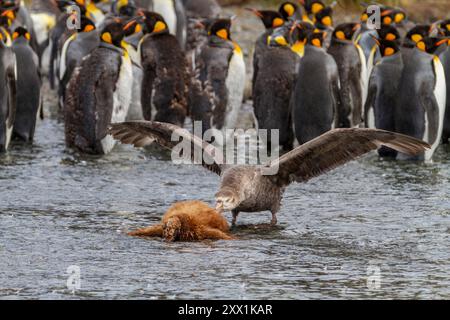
(11, 78)
(369, 106)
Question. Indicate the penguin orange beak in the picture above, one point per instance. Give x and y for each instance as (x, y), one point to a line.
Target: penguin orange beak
(255, 12)
(219, 207)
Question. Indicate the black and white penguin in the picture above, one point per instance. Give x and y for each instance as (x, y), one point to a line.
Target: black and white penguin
(99, 94)
(74, 49)
(166, 79)
(272, 89)
(28, 83)
(316, 94)
(415, 35)
(422, 97)
(384, 91)
(218, 85)
(8, 75)
(173, 13)
(271, 21)
(353, 76)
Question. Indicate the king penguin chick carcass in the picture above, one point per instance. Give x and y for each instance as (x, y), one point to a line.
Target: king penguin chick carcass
(74, 49)
(316, 94)
(28, 97)
(352, 67)
(218, 85)
(99, 94)
(422, 93)
(8, 91)
(166, 79)
(384, 91)
(272, 89)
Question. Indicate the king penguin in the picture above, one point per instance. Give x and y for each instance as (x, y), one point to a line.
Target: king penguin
(353, 77)
(74, 49)
(219, 81)
(422, 97)
(316, 94)
(166, 78)
(384, 91)
(8, 75)
(445, 59)
(273, 86)
(99, 94)
(28, 102)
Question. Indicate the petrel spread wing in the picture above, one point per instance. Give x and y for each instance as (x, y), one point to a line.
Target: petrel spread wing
(144, 133)
(336, 148)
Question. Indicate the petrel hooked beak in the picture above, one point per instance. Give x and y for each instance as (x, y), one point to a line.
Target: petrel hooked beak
(219, 206)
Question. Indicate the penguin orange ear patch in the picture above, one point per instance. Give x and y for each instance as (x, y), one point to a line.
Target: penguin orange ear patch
(89, 28)
(15, 35)
(327, 21)
(317, 43)
(289, 8)
(340, 35)
(416, 38)
(391, 37)
(422, 46)
(28, 36)
(316, 8)
(389, 51)
(387, 20)
(277, 22)
(399, 17)
(222, 33)
(364, 17)
(106, 37)
(159, 26)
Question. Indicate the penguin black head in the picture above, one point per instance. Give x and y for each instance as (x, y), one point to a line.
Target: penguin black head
(416, 34)
(388, 32)
(392, 16)
(154, 23)
(313, 6)
(288, 10)
(270, 19)
(444, 27)
(113, 34)
(221, 28)
(63, 5)
(387, 47)
(299, 35)
(132, 27)
(7, 17)
(21, 32)
(345, 31)
(324, 18)
(431, 44)
(316, 39)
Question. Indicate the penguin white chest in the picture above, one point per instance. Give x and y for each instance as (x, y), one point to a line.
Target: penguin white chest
(166, 8)
(235, 84)
(122, 99)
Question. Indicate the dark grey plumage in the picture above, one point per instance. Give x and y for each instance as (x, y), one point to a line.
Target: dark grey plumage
(28, 90)
(247, 188)
(7, 94)
(316, 95)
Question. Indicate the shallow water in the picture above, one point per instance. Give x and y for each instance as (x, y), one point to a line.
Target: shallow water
(336, 233)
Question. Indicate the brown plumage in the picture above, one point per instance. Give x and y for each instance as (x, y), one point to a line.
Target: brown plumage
(252, 188)
(188, 221)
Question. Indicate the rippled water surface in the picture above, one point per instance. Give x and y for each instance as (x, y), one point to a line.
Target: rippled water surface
(336, 233)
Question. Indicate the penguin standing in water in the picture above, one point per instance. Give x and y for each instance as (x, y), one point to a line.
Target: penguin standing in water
(272, 90)
(74, 49)
(99, 94)
(445, 59)
(166, 80)
(352, 74)
(218, 88)
(421, 100)
(28, 101)
(8, 92)
(384, 90)
(316, 94)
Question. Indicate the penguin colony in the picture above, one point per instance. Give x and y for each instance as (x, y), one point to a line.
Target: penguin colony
(161, 62)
